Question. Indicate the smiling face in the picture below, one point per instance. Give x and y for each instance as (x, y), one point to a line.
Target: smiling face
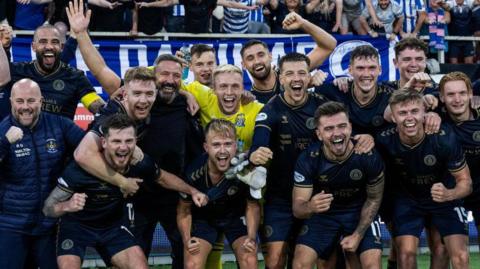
(168, 75)
(365, 72)
(139, 98)
(228, 89)
(335, 132)
(26, 101)
(409, 62)
(409, 117)
(257, 60)
(118, 146)
(47, 47)
(294, 79)
(202, 67)
(221, 148)
(456, 97)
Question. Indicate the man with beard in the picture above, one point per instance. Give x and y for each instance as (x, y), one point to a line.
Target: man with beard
(167, 146)
(33, 149)
(430, 179)
(62, 86)
(455, 94)
(283, 129)
(232, 210)
(92, 212)
(344, 201)
(257, 60)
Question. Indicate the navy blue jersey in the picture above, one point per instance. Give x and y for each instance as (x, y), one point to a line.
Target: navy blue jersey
(394, 85)
(346, 180)
(420, 166)
(367, 118)
(468, 134)
(114, 106)
(227, 198)
(61, 90)
(286, 130)
(262, 96)
(105, 203)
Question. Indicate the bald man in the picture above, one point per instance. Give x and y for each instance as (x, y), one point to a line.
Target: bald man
(33, 148)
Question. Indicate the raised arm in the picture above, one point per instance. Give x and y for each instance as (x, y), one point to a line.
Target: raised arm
(94, 61)
(4, 63)
(158, 3)
(326, 43)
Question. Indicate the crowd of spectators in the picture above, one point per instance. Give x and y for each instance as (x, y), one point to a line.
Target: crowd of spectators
(392, 18)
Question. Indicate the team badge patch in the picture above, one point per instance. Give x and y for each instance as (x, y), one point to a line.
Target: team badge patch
(67, 244)
(377, 121)
(476, 136)
(298, 177)
(240, 120)
(261, 116)
(51, 145)
(356, 174)
(232, 190)
(58, 85)
(430, 160)
(304, 230)
(268, 230)
(310, 123)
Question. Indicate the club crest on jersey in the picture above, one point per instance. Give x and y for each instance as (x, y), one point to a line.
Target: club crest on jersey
(232, 190)
(430, 160)
(67, 244)
(303, 230)
(377, 120)
(310, 123)
(298, 177)
(476, 136)
(51, 145)
(58, 85)
(356, 174)
(261, 116)
(268, 230)
(240, 120)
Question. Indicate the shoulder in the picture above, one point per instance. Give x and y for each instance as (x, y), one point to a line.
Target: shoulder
(387, 134)
(253, 107)
(196, 169)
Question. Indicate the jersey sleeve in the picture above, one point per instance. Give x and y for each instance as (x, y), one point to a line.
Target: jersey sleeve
(365, 12)
(202, 94)
(264, 124)
(397, 9)
(83, 86)
(452, 150)
(4, 146)
(304, 170)
(331, 92)
(72, 133)
(375, 167)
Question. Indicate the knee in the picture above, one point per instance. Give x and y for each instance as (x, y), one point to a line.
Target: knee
(249, 261)
(300, 264)
(460, 259)
(406, 254)
(190, 264)
(274, 261)
(439, 250)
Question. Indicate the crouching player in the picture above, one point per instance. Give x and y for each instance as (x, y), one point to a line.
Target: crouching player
(93, 210)
(231, 209)
(338, 192)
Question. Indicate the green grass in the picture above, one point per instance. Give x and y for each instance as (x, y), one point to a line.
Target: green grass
(423, 262)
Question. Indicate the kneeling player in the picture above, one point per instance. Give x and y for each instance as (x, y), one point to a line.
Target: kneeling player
(94, 209)
(231, 209)
(338, 192)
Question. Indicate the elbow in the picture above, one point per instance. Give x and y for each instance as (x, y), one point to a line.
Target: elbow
(6, 78)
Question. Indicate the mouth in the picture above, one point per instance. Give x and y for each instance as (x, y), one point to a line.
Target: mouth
(25, 114)
(206, 76)
(297, 86)
(410, 126)
(338, 143)
(259, 68)
(142, 109)
(48, 58)
(168, 88)
(222, 160)
(122, 156)
(229, 101)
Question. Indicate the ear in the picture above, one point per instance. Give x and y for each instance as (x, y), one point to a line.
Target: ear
(395, 63)
(103, 141)
(317, 132)
(205, 146)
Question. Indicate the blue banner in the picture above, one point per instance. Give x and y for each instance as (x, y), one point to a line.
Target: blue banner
(123, 54)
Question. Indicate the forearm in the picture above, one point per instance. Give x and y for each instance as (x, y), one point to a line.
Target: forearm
(302, 209)
(55, 204)
(39, 2)
(370, 207)
(231, 4)
(420, 20)
(462, 189)
(184, 221)
(252, 215)
(398, 25)
(4, 68)
(55, 210)
(172, 182)
(338, 11)
(325, 42)
(371, 10)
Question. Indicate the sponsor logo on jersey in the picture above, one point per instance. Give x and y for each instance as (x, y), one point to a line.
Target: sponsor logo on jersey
(298, 177)
(261, 116)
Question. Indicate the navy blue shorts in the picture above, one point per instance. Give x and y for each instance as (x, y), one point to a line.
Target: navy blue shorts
(233, 228)
(74, 237)
(410, 217)
(476, 19)
(279, 222)
(323, 233)
(457, 49)
(472, 203)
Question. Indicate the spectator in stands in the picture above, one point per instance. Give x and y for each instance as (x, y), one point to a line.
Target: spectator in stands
(198, 13)
(414, 15)
(327, 14)
(391, 16)
(351, 11)
(147, 20)
(461, 25)
(175, 19)
(237, 20)
(476, 25)
(108, 16)
(258, 23)
(279, 10)
(30, 14)
(437, 17)
(6, 34)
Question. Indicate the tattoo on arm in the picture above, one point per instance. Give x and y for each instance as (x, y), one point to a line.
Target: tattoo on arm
(58, 195)
(96, 105)
(371, 205)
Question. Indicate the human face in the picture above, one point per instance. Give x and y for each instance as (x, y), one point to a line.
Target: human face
(168, 76)
(202, 67)
(118, 147)
(383, 4)
(220, 149)
(456, 97)
(409, 62)
(294, 79)
(257, 60)
(365, 72)
(47, 47)
(409, 117)
(228, 89)
(335, 132)
(139, 97)
(292, 3)
(26, 105)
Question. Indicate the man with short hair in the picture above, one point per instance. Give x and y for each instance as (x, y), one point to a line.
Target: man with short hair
(62, 86)
(232, 209)
(455, 94)
(345, 199)
(33, 149)
(431, 177)
(92, 212)
(257, 59)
